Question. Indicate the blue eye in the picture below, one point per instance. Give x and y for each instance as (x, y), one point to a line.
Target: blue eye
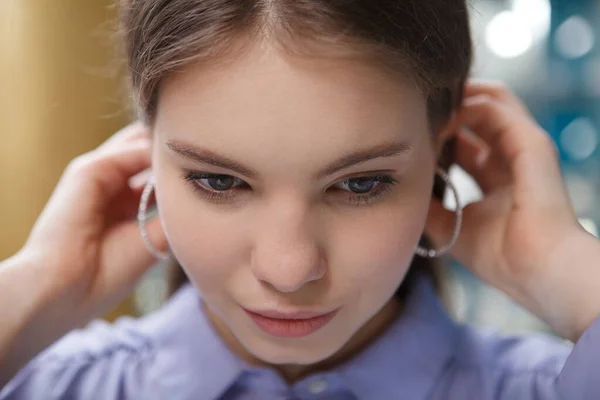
(363, 184)
(219, 183)
(360, 185)
(366, 189)
(221, 188)
(215, 187)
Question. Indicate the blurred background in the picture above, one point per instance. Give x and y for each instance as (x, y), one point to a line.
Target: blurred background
(62, 93)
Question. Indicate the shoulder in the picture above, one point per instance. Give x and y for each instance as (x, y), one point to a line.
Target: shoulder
(514, 354)
(489, 365)
(127, 336)
(124, 359)
(100, 339)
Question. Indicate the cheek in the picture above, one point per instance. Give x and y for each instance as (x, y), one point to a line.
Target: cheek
(206, 243)
(374, 251)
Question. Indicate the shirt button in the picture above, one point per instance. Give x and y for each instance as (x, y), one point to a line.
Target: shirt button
(317, 386)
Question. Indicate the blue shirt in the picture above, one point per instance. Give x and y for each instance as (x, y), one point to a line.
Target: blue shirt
(175, 354)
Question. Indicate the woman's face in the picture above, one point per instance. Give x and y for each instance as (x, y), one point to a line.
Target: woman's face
(287, 186)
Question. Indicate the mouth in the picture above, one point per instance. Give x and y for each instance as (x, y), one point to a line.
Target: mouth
(290, 325)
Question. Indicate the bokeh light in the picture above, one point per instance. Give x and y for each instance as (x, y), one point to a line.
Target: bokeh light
(574, 38)
(579, 139)
(508, 36)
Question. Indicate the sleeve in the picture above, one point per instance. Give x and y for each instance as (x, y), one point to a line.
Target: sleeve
(580, 377)
(526, 368)
(575, 377)
(90, 364)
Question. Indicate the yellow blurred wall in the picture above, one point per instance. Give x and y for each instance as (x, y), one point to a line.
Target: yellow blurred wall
(59, 97)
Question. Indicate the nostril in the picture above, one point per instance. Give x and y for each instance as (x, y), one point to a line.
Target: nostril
(287, 259)
(289, 280)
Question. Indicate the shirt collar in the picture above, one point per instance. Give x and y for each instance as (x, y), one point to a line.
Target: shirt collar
(193, 358)
(407, 358)
(411, 353)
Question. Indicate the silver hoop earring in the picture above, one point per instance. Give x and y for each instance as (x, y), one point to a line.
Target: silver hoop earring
(142, 218)
(431, 253)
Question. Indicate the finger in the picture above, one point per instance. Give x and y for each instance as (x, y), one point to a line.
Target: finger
(526, 149)
(139, 180)
(477, 218)
(474, 156)
(108, 173)
(126, 204)
(126, 255)
(496, 90)
(132, 132)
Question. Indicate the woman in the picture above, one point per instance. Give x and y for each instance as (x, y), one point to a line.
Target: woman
(293, 147)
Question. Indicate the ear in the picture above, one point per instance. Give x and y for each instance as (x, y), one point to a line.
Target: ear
(446, 133)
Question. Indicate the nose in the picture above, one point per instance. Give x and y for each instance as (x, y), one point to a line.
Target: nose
(286, 253)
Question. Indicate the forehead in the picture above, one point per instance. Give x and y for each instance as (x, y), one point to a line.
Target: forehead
(264, 95)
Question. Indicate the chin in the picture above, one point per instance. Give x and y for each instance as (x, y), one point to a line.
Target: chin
(292, 355)
(292, 351)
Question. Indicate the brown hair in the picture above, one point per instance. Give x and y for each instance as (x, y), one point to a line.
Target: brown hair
(427, 40)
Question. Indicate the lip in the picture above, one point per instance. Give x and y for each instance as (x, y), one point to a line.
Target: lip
(290, 325)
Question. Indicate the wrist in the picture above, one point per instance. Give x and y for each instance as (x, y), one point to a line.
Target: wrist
(566, 292)
(24, 287)
(36, 316)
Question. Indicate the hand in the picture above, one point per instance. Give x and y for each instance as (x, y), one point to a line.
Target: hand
(87, 237)
(523, 237)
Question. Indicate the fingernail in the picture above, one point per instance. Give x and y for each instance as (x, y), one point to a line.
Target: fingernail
(481, 158)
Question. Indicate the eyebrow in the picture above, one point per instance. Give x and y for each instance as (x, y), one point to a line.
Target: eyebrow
(379, 151)
(197, 154)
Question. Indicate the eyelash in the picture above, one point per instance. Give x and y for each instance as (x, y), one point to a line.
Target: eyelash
(384, 185)
(218, 197)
